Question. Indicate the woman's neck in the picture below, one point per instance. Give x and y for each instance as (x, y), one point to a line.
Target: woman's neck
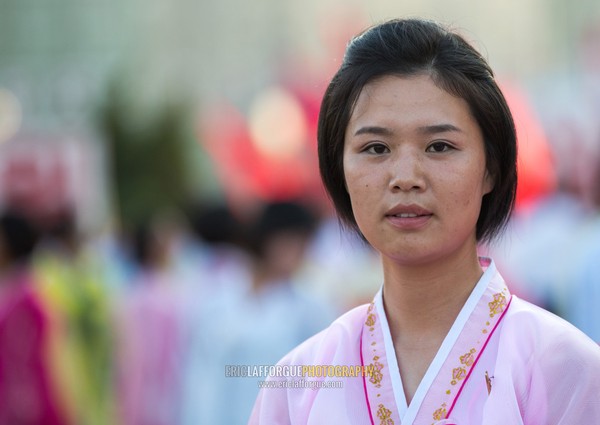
(422, 301)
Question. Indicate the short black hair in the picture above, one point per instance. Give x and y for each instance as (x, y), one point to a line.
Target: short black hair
(19, 235)
(216, 224)
(281, 217)
(407, 47)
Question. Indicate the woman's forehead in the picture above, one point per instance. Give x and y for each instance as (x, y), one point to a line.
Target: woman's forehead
(416, 101)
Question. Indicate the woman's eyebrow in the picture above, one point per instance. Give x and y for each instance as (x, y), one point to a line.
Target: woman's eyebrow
(438, 128)
(378, 131)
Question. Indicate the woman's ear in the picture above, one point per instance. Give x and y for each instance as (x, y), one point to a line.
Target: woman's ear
(489, 181)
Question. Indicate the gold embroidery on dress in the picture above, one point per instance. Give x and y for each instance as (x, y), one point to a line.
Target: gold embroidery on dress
(497, 305)
(371, 318)
(469, 358)
(385, 415)
(458, 374)
(376, 375)
(440, 414)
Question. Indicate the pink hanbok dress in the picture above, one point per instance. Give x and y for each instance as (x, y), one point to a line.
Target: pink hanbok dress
(504, 361)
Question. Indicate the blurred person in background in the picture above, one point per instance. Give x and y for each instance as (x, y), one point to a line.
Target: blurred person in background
(28, 394)
(150, 328)
(417, 149)
(533, 250)
(549, 248)
(584, 301)
(546, 241)
(211, 255)
(70, 281)
(576, 133)
(340, 268)
(581, 277)
(265, 316)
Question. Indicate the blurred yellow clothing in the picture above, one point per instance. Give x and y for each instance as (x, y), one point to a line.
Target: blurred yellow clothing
(81, 348)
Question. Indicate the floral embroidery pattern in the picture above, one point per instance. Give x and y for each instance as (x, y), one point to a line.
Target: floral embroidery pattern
(371, 317)
(469, 358)
(385, 415)
(377, 380)
(376, 376)
(440, 414)
(497, 305)
(458, 374)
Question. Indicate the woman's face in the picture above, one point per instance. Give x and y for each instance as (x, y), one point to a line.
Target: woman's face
(415, 170)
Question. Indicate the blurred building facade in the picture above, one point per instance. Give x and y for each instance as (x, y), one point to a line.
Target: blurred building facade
(58, 56)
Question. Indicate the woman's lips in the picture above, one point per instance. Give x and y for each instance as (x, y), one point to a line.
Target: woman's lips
(408, 217)
(409, 223)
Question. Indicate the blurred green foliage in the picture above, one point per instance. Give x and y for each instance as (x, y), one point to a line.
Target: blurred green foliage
(148, 148)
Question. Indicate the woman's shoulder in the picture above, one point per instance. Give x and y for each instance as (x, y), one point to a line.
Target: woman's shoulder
(555, 367)
(323, 347)
(538, 333)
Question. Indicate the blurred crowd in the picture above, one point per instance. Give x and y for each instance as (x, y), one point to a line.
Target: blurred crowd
(140, 331)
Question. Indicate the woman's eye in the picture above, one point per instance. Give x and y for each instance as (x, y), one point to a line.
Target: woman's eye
(439, 147)
(377, 149)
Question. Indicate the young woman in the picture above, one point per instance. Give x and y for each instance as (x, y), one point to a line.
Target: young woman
(417, 150)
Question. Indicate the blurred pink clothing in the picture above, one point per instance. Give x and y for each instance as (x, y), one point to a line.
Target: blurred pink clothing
(26, 395)
(150, 353)
(504, 361)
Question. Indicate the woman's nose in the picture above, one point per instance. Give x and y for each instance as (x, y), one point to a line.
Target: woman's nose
(406, 172)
